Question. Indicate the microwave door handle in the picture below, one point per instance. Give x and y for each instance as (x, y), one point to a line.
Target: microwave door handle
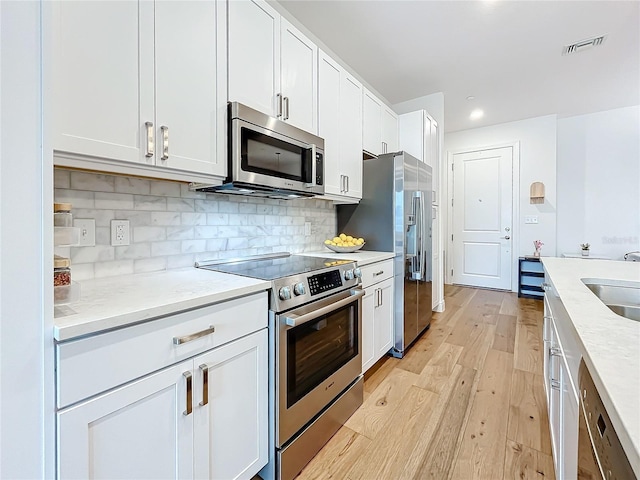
(296, 320)
(312, 183)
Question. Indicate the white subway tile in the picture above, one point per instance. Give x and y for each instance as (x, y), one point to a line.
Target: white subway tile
(247, 208)
(238, 219)
(165, 218)
(146, 265)
(209, 255)
(208, 206)
(165, 248)
(135, 251)
(102, 217)
(284, 220)
(193, 246)
(272, 220)
(114, 201)
(136, 218)
(93, 182)
(193, 218)
(135, 185)
(180, 204)
(99, 253)
(77, 198)
(217, 244)
(112, 269)
(186, 193)
(148, 234)
(149, 202)
(227, 207)
(205, 232)
(61, 178)
(103, 235)
(165, 189)
(180, 233)
(82, 271)
(257, 220)
(264, 209)
(180, 261)
(217, 219)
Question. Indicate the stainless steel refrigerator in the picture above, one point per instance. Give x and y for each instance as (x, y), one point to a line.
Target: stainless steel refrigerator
(394, 215)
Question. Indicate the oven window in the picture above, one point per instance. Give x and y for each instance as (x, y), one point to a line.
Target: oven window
(317, 349)
(271, 156)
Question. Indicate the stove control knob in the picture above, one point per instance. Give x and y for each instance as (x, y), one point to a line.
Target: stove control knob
(284, 293)
(357, 273)
(348, 274)
(299, 289)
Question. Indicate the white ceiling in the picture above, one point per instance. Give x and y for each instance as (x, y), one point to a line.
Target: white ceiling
(508, 54)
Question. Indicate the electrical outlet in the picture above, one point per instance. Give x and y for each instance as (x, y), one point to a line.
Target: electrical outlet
(307, 229)
(531, 219)
(120, 232)
(87, 228)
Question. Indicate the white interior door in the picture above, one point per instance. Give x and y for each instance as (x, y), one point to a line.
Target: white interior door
(482, 218)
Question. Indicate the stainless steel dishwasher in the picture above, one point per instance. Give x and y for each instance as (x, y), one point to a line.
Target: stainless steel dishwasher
(600, 454)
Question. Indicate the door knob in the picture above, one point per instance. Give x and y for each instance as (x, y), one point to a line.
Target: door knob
(507, 229)
(507, 237)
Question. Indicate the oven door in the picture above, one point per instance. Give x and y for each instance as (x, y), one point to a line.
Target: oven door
(319, 354)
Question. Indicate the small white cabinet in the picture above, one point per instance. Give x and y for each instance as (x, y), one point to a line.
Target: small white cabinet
(379, 125)
(340, 124)
(139, 87)
(377, 312)
(419, 136)
(273, 67)
(202, 413)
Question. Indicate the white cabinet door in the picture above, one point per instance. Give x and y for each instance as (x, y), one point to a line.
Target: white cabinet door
(231, 428)
(190, 91)
(102, 80)
(389, 130)
(569, 427)
(434, 156)
(368, 328)
(254, 55)
(371, 123)
(384, 319)
(329, 74)
(298, 77)
(412, 133)
(350, 121)
(135, 431)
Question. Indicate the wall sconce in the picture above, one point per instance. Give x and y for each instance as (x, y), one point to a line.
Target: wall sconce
(536, 193)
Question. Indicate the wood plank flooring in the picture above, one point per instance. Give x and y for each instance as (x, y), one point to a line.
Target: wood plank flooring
(466, 402)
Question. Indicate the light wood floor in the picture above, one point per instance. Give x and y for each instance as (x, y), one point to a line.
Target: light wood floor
(466, 402)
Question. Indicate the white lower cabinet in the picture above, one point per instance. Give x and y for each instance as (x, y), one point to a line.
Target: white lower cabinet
(203, 417)
(377, 312)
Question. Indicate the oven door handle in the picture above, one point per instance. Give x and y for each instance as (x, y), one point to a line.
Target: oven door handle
(296, 320)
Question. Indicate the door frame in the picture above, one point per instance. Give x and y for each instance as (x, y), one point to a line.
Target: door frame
(515, 211)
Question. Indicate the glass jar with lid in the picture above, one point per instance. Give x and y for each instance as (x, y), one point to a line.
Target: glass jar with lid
(62, 216)
(61, 271)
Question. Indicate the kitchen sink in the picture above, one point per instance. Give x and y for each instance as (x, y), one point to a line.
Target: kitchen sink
(622, 299)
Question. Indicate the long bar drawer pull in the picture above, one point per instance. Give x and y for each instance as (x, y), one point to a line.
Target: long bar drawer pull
(189, 409)
(150, 142)
(555, 384)
(204, 368)
(193, 336)
(555, 352)
(378, 273)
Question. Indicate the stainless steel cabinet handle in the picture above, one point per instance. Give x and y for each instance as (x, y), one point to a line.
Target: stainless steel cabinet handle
(189, 409)
(378, 273)
(204, 368)
(285, 110)
(165, 142)
(347, 182)
(555, 352)
(555, 384)
(150, 143)
(379, 297)
(506, 237)
(279, 105)
(193, 336)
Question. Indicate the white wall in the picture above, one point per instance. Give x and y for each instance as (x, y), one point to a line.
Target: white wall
(599, 182)
(537, 138)
(26, 326)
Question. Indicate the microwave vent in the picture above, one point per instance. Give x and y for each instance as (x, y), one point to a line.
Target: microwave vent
(583, 45)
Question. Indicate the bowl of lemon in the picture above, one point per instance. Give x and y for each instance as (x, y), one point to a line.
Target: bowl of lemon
(344, 243)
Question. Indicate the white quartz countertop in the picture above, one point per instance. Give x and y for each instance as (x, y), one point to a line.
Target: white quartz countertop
(362, 257)
(113, 302)
(611, 343)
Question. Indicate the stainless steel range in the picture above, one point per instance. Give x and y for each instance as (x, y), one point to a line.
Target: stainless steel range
(315, 325)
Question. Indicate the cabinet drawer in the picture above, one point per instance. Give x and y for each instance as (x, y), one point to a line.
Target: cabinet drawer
(94, 364)
(376, 272)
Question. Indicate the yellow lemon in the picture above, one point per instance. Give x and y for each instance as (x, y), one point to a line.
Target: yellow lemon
(336, 239)
(361, 240)
(349, 238)
(327, 242)
(343, 237)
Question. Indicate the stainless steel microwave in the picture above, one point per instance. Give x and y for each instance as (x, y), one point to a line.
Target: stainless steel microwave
(270, 158)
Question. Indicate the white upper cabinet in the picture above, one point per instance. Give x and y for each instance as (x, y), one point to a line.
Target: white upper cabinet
(140, 87)
(340, 124)
(379, 126)
(273, 67)
(419, 136)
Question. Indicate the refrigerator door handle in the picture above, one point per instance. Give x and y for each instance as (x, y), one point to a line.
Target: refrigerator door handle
(416, 261)
(423, 240)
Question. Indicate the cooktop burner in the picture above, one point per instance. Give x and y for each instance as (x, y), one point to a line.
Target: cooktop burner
(295, 279)
(270, 268)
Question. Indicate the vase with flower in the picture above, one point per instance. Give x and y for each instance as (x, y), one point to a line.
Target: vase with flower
(538, 246)
(585, 249)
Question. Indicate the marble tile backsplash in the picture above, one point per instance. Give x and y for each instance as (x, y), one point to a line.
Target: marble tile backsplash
(173, 227)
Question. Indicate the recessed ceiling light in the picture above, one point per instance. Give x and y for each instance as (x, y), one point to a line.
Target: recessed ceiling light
(476, 114)
(471, 97)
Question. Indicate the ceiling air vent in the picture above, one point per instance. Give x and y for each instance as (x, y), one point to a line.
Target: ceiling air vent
(583, 45)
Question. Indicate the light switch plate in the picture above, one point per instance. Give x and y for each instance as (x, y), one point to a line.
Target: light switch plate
(87, 228)
(531, 219)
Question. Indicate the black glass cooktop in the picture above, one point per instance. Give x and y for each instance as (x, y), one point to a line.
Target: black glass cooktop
(274, 268)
